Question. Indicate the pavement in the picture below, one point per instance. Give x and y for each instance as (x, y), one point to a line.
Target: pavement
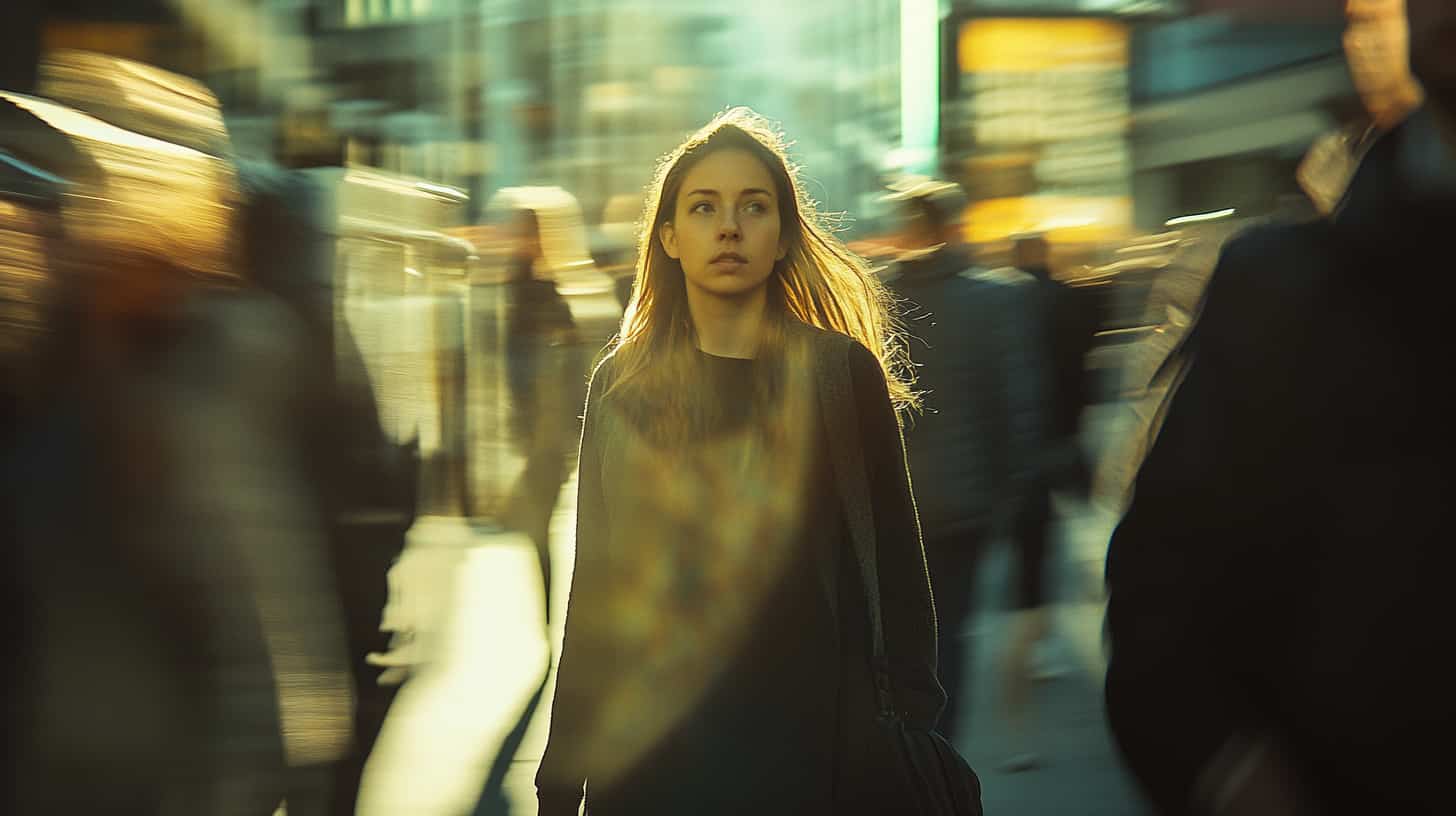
(1080, 774)
(475, 594)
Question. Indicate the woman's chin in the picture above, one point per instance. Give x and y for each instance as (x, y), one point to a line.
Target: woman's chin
(731, 286)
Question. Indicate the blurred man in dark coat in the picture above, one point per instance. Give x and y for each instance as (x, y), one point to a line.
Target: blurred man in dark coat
(1067, 322)
(364, 484)
(179, 643)
(1282, 576)
(974, 452)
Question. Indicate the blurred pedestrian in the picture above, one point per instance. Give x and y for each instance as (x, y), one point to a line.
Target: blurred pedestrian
(364, 484)
(544, 370)
(1065, 320)
(975, 451)
(1280, 581)
(161, 517)
(717, 657)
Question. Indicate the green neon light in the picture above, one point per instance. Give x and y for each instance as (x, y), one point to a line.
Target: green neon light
(919, 81)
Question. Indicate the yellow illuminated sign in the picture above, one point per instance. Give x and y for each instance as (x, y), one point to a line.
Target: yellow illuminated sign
(1069, 219)
(1054, 90)
(1031, 45)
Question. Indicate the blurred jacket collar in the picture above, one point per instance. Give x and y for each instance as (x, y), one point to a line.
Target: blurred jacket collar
(1403, 195)
(943, 263)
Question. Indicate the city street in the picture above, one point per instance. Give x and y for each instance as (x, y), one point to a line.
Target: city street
(435, 754)
(298, 297)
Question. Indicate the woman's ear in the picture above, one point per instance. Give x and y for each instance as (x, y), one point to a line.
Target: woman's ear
(783, 251)
(668, 235)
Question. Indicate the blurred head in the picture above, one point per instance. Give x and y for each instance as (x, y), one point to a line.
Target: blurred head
(930, 210)
(524, 233)
(726, 215)
(1377, 48)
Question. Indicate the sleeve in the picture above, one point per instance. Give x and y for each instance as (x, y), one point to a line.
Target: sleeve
(585, 653)
(905, 599)
(1188, 564)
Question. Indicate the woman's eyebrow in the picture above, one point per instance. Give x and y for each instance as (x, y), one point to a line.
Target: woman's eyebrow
(703, 191)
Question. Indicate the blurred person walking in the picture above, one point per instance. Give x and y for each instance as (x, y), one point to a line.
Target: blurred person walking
(363, 483)
(1280, 580)
(547, 363)
(1065, 321)
(545, 373)
(750, 625)
(975, 452)
(160, 514)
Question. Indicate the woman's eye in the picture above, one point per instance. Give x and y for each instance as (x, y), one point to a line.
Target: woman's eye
(756, 207)
(701, 207)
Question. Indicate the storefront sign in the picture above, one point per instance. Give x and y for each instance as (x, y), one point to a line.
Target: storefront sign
(1044, 102)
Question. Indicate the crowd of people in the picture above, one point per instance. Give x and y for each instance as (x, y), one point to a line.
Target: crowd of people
(790, 464)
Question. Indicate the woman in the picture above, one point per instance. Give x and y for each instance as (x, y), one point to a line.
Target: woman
(716, 647)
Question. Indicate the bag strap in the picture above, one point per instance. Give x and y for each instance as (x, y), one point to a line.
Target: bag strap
(841, 417)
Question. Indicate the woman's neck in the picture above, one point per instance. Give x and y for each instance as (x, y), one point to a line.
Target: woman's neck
(728, 327)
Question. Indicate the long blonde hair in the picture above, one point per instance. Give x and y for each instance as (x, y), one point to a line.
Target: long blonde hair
(819, 281)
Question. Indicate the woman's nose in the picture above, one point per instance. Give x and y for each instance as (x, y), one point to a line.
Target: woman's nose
(728, 227)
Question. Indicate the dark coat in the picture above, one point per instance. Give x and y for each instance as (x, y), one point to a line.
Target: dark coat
(545, 366)
(803, 673)
(976, 346)
(159, 505)
(364, 484)
(1068, 321)
(1283, 573)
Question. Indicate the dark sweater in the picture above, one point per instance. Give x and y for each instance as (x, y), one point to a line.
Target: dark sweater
(704, 668)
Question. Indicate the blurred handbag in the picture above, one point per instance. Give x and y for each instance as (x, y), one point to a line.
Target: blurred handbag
(936, 780)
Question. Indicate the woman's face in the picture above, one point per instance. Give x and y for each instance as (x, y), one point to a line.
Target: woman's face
(725, 225)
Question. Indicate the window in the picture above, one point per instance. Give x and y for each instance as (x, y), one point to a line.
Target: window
(378, 12)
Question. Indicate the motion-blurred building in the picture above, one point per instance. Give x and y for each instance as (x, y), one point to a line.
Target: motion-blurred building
(835, 80)
(587, 94)
(618, 84)
(1227, 101)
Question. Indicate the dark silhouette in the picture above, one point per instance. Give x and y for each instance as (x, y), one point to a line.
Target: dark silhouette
(1279, 583)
